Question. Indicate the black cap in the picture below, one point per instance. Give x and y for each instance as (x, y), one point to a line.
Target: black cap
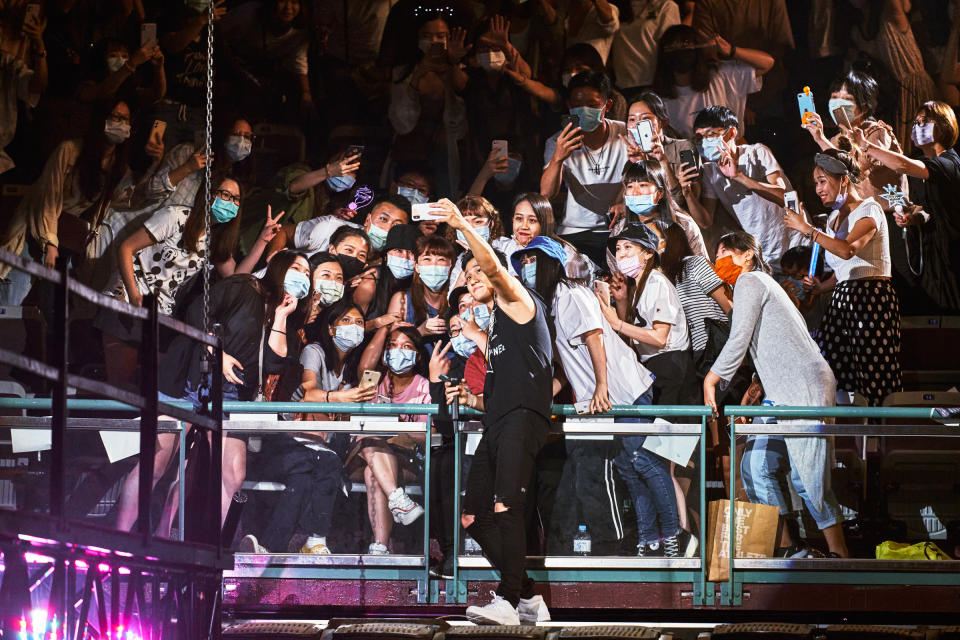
(402, 236)
(638, 233)
(453, 300)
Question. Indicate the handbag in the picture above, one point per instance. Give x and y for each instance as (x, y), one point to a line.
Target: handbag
(75, 233)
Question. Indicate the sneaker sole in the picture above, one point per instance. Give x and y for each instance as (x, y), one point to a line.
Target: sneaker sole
(408, 517)
(533, 619)
(692, 547)
(479, 618)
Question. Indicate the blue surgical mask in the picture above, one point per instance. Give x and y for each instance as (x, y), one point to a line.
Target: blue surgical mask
(462, 345)
(510, 175)
(481, 316)
(330, 291)
(434, 276)
(413, 195)
(797, 289)
(400, 360)
(348, 336)
(590, 117)
(528, 274)
(840, 103)
(641, 204)
(225, 211)
(710, 148)
(340, 183)
(378, 237)
(400, 267)
(296, 284)
(483, 232)
(840, 201)
(922, 134)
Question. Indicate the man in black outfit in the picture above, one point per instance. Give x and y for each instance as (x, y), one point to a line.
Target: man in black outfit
(517, 396)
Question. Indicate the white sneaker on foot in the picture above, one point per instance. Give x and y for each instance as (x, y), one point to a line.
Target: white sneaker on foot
(403, 508)
(499, 611)
(533, 610)
(249, 544)
(377, 549)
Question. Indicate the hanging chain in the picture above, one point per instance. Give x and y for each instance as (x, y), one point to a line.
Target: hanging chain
(208, 143)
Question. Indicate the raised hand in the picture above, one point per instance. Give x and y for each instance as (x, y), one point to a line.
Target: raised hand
(286, 307)
(271, 226)
(199, 160)
(568, 141)
(439, 362)
(496, 163)
(456, 49)
(727, 166)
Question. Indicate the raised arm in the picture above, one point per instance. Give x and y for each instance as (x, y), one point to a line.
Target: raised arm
(890, 158)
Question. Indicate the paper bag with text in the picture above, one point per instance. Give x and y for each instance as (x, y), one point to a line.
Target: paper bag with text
(755, 535)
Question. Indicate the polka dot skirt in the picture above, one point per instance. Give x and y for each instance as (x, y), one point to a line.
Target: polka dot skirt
(860, 338)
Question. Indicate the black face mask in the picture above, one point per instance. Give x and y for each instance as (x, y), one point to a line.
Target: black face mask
(351, 266)
(683, 60)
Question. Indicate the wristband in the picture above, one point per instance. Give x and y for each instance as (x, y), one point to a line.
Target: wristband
(283, 333)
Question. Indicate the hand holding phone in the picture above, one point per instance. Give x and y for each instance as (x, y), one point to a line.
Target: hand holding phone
(148, 33)
(421, 212)
(571, 119)
(369, 378)
(500, 147)
(644, 136)
(790, 201)
(806, 105)
(354, 150)
(602, 289)
(157, 131)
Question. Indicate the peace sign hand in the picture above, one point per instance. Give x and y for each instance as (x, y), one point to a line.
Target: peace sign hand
(270, 227)
(439, 362)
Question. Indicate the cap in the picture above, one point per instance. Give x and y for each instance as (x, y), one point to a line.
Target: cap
(402, 236)
(638, 233)
(544, 244)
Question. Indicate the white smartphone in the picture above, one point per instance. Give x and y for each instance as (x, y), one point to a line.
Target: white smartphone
(644, 136)
(148, 32)
(790, 201)
(369, 379)
(602, 289)
(582, 407)
(421, 212)
(500, 146)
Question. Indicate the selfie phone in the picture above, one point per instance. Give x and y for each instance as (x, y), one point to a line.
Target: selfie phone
(500, 146)
(643, 134)
(571, 119)
(157, 131)
(33, 10)
(806, 105)
(421, 212)
(841, 118)
(582, 407)
(790, 201)
(148, 32)
(354, 150)
(602, 288)
(369, 379)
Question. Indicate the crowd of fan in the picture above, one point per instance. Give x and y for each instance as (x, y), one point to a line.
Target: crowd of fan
(601, 147)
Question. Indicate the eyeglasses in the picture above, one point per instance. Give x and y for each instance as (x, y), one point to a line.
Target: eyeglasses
(223, 194)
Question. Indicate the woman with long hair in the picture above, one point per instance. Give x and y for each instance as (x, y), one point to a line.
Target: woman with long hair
(766, 324)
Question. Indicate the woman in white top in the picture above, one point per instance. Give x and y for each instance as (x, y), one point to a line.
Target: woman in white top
(860, 332)
(648, 314)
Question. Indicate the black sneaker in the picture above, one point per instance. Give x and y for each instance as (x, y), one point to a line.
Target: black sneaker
(652, 550)
(671, 547)
(688, 543)
(443, 570)
(793, 552)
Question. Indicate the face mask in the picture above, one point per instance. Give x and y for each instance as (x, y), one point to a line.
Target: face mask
(350, 264)
(238, 147)
(434, 276)
(565, 79)
(481, 316)
(528, 274)
(225, 211)
(491, 60)
(590, 117)
(727, 269)
(400, 360)
(840, 103)
(463, 346)
(922, 134)
(684, 60)
(340, 183)
(641, 204)
(400, 267)
(115, 63)
(630, 267)
(841, 199)
(330, 291)
(413, 195)
(198, 5)
(116, 132)
(378, 237)
(510, 175)
(483, 232)
(710, 148)
(296, 284)
(348, 336)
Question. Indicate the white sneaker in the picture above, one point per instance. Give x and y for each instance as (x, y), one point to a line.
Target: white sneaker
(377, 549)
(499, 611)
(249, 544)
(403, 508)
(533, 610)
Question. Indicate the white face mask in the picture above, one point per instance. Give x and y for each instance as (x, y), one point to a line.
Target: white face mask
(116, 132)
(922, 134)
(115, 63)
(238, 147)
(491, 60)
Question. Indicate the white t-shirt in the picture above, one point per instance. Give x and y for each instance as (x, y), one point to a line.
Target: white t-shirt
(600, 169)
(659, 302)
(313, 236)
(635, 45)
(758, 216)
(313, 359)
(596, 33)
(873, 259)
(731, 83)
(576, 311)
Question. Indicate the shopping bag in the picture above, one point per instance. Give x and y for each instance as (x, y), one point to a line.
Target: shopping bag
(890, 550)
(755, 535)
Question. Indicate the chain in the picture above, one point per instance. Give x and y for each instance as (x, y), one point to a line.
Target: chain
(208, 144)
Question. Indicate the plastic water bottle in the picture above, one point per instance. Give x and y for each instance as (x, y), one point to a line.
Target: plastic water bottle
(582, 544)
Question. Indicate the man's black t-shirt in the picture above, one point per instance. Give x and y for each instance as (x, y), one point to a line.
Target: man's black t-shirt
(519, 364)
(939, 195)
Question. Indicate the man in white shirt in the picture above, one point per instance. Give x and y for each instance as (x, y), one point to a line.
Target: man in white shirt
(587, 160)
(746, 179)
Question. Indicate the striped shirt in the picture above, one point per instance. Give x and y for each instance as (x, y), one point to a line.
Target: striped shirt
(697, 281)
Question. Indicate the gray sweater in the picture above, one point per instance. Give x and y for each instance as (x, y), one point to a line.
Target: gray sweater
(789, 364)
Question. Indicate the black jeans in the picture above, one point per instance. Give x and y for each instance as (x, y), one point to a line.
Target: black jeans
(502, 471)
(442, 497)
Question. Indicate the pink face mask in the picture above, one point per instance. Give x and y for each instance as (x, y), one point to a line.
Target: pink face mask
(630, 267)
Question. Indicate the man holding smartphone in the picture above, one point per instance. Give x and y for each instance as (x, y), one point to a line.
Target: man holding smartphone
(517, 397)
